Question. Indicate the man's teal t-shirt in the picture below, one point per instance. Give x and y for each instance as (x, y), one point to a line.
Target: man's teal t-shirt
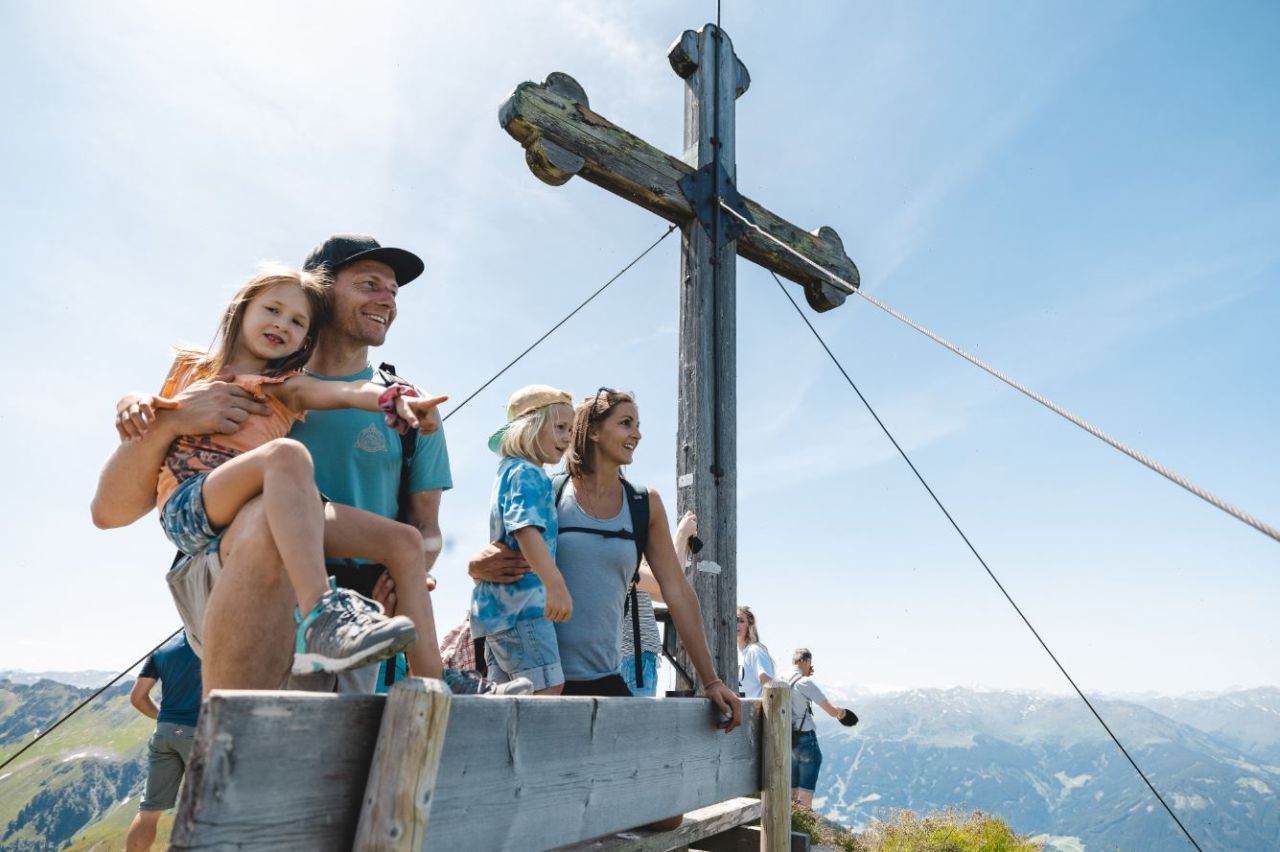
(357, 456)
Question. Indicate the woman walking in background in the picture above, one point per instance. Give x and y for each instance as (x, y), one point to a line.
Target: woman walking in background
(755, 666)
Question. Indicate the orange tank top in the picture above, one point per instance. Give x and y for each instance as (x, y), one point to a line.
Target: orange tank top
(191, 455)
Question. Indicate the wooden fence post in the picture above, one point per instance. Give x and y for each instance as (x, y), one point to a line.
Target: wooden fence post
(775, 771)
(402, 776)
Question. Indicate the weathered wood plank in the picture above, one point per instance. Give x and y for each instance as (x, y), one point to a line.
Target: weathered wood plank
(746, 838)
(563, 136)
(702, 823)
(706, 430)
(277, 771)
(402, 778)
(288, 770)
(775, 821)
(537, 773)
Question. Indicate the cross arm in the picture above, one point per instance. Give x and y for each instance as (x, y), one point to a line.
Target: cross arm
(562, 137)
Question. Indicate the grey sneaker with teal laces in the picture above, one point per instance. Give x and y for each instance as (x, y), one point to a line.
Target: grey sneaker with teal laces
(345, 631)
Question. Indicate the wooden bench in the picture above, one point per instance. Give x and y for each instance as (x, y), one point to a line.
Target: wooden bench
(423, 770)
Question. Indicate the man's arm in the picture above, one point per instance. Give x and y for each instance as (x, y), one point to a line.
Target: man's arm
(497, 563)
(127, 484)
(140, 697)
(424, 513)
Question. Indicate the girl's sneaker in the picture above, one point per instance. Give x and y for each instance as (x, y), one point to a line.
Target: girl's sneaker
(345, 631)
(471, 682)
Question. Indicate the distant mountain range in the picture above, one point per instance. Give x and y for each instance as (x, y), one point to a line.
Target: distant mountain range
(1041, 763)
(1046, 766)
(85, 678)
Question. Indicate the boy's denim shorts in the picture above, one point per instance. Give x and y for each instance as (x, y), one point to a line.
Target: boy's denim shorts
(528, 649)
(184, 519)
(806, 760)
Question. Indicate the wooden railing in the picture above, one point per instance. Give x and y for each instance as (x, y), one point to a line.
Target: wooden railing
(423, 770)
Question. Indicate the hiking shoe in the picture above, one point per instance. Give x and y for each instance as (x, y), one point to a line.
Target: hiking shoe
(471, 682)
(346, 631)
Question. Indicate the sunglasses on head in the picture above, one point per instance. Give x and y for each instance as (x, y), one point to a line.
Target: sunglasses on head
(596, 411)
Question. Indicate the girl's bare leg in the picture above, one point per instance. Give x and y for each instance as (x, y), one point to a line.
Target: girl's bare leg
(281, 471)
(351, 533)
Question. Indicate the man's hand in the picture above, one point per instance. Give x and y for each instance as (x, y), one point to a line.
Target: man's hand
(497, 563)
(729, 703)
(847, 717)
(686, 529)
(136, 412)
(206, 408)
(384, 592)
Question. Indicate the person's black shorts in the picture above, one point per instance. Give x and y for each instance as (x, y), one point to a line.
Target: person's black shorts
(609, 686)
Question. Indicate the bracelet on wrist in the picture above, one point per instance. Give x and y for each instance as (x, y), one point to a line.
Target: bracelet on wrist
(387, 399)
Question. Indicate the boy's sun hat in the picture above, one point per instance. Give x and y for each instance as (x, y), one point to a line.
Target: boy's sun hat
(525, 401)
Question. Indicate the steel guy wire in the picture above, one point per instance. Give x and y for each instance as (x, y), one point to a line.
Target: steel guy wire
(1177, 479)
(553, 328)
(986, 567)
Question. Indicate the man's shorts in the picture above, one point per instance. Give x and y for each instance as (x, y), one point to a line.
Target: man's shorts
(167, 756)
(806, 760)
(648, 666)
(529, 649)
(191, 582)
(184, 519)
(361, 681)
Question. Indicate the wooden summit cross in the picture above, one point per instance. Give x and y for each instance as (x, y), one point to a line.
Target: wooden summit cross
(562, 137)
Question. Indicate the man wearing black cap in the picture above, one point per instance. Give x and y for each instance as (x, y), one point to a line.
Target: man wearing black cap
(242, 624)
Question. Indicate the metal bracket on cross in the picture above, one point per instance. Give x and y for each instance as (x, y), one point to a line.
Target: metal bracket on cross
(704, 189)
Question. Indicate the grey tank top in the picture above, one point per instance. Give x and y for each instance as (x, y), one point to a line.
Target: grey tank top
(597, 571)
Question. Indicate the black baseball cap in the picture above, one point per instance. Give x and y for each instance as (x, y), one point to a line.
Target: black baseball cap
(341, 249)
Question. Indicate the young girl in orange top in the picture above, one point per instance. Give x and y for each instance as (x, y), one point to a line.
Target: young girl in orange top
(266, 334)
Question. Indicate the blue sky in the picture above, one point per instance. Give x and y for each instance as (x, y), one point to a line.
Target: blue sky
(1088, 197)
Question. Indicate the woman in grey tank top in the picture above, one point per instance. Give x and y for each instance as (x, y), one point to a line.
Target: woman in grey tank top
(598, 570)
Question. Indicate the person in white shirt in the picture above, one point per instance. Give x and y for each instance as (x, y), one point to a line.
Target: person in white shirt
(755, 666)
(806, 757)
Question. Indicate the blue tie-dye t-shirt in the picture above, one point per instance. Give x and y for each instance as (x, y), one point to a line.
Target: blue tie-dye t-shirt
(522, 497)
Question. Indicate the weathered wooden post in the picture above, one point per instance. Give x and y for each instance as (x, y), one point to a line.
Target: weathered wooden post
(706, 434)
(775, 792)
(402, 777)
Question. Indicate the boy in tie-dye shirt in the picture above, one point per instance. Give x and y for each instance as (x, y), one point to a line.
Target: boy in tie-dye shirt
(515, 619)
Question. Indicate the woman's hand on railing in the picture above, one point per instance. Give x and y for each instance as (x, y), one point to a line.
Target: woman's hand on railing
(729, 703)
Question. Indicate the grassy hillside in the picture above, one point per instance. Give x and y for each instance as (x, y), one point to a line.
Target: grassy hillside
(89, 769)
(945, 831)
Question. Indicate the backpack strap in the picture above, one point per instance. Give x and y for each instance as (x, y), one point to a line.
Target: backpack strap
(386, 376)
(638, 504)
(808, 705)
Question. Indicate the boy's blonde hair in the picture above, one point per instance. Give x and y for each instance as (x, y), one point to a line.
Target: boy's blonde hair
(521, 438)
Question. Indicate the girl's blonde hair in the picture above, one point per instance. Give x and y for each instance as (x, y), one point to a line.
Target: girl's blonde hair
(521, 438)
(580, 460)
(206, 363)
(753, 635)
